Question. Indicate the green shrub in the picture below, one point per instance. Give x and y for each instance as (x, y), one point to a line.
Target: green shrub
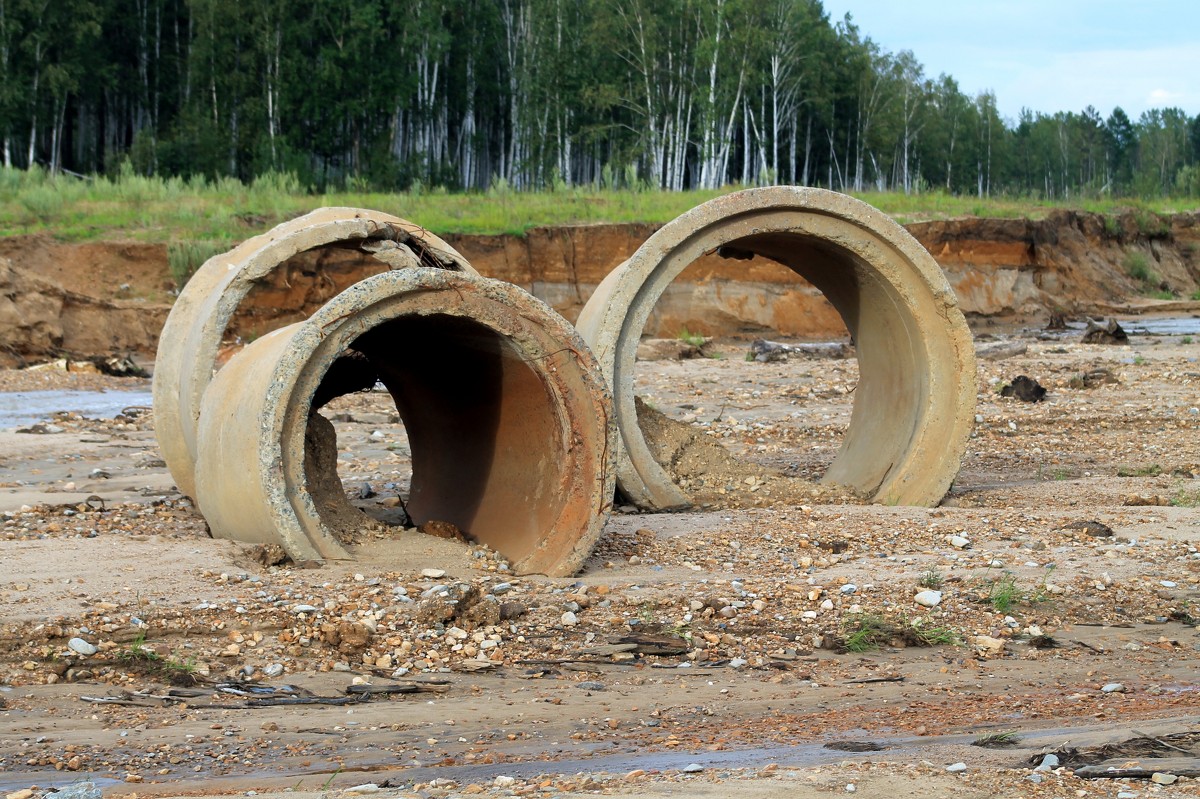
(1137, 266)
(185, 257)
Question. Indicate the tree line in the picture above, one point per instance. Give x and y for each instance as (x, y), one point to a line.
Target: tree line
(469, 94)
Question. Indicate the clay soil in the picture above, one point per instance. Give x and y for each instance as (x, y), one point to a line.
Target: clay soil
(718, 652)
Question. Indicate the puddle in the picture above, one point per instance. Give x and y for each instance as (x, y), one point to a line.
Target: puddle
(20, 408)
(15, 781)
(1186, 326)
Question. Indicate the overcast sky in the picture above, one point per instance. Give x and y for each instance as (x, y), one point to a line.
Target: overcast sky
(1048, 55)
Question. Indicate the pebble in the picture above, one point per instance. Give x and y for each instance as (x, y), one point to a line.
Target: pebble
(1114, 688)
(986, 643)
(958, 542)
(591, 685)
(82, 647)
(433, 574)
(928, 599)
(504, 781)
(1162, 778)
(366, 787)
(849, 588)
(1167, 583)
(1126, 795)
(851, 787)
(569, 619)
(24, 793)
(737, 663)
(956, 768)
(304, 608)
(501, 588)
(692, 768)
(274, 670)
(1049, 763)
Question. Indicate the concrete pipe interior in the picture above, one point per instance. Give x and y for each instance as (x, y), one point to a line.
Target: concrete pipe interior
(506, 411)
(482, 428)
(914, 403)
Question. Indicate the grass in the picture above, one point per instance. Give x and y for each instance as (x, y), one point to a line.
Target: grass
(1186, 498)
(138, 657)
(688, 337)
(1137, 266)
(186, 256)
(129, 206)
(932, 579)
(1004, 594)
(1153, 470)
(865, 632)
(997, 740)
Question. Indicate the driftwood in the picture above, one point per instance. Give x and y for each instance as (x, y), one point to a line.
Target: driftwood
(999, 350)
(765, 351)
(1143, 768)
(259, 695)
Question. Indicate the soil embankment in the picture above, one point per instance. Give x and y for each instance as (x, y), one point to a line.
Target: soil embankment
(100, 298)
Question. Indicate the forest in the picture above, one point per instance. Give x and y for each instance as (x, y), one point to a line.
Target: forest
(532, 94)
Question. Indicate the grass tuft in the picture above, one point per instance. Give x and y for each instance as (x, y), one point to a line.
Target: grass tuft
(997, 740)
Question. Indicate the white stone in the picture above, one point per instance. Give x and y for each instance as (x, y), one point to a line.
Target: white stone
(82, 647)
(928, 599)
(433, 574)
(958, 542)
(1114, 688)
(1049, 763)
(1162, 778)
(504, 781)
(569, 619)
(956, 768)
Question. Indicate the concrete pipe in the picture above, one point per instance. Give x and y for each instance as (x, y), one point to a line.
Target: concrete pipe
(915, 400)
(188, 344)
(508, 416)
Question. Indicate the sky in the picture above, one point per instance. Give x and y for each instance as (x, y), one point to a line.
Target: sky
(1047, 55)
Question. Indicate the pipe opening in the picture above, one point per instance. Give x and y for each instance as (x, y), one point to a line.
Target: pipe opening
(914, 392)
(476, 427)
(828, 440)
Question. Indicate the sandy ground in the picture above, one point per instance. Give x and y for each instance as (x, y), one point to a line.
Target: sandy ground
(787, 628)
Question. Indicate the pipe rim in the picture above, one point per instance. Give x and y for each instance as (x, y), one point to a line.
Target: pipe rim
(553, 349)
(190, 338)
(613, 320)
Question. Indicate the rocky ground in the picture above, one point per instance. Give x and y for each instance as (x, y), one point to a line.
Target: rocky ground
(750, 647)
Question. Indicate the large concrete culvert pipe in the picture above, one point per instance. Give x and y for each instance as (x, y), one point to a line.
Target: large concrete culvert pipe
(507, 412)
(915, 402)
(193, 333)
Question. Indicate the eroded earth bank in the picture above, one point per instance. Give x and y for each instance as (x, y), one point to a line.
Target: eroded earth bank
(104, 298)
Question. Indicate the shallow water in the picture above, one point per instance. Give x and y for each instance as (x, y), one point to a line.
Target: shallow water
(1174, 326)
(20, 408)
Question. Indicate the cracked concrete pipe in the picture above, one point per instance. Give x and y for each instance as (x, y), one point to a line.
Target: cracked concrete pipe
(915, 401)
(508, 415)
(191, 337)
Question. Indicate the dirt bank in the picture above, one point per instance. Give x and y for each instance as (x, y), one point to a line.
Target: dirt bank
(97, 298)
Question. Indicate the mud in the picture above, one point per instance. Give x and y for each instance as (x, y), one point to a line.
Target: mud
(553, 701)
